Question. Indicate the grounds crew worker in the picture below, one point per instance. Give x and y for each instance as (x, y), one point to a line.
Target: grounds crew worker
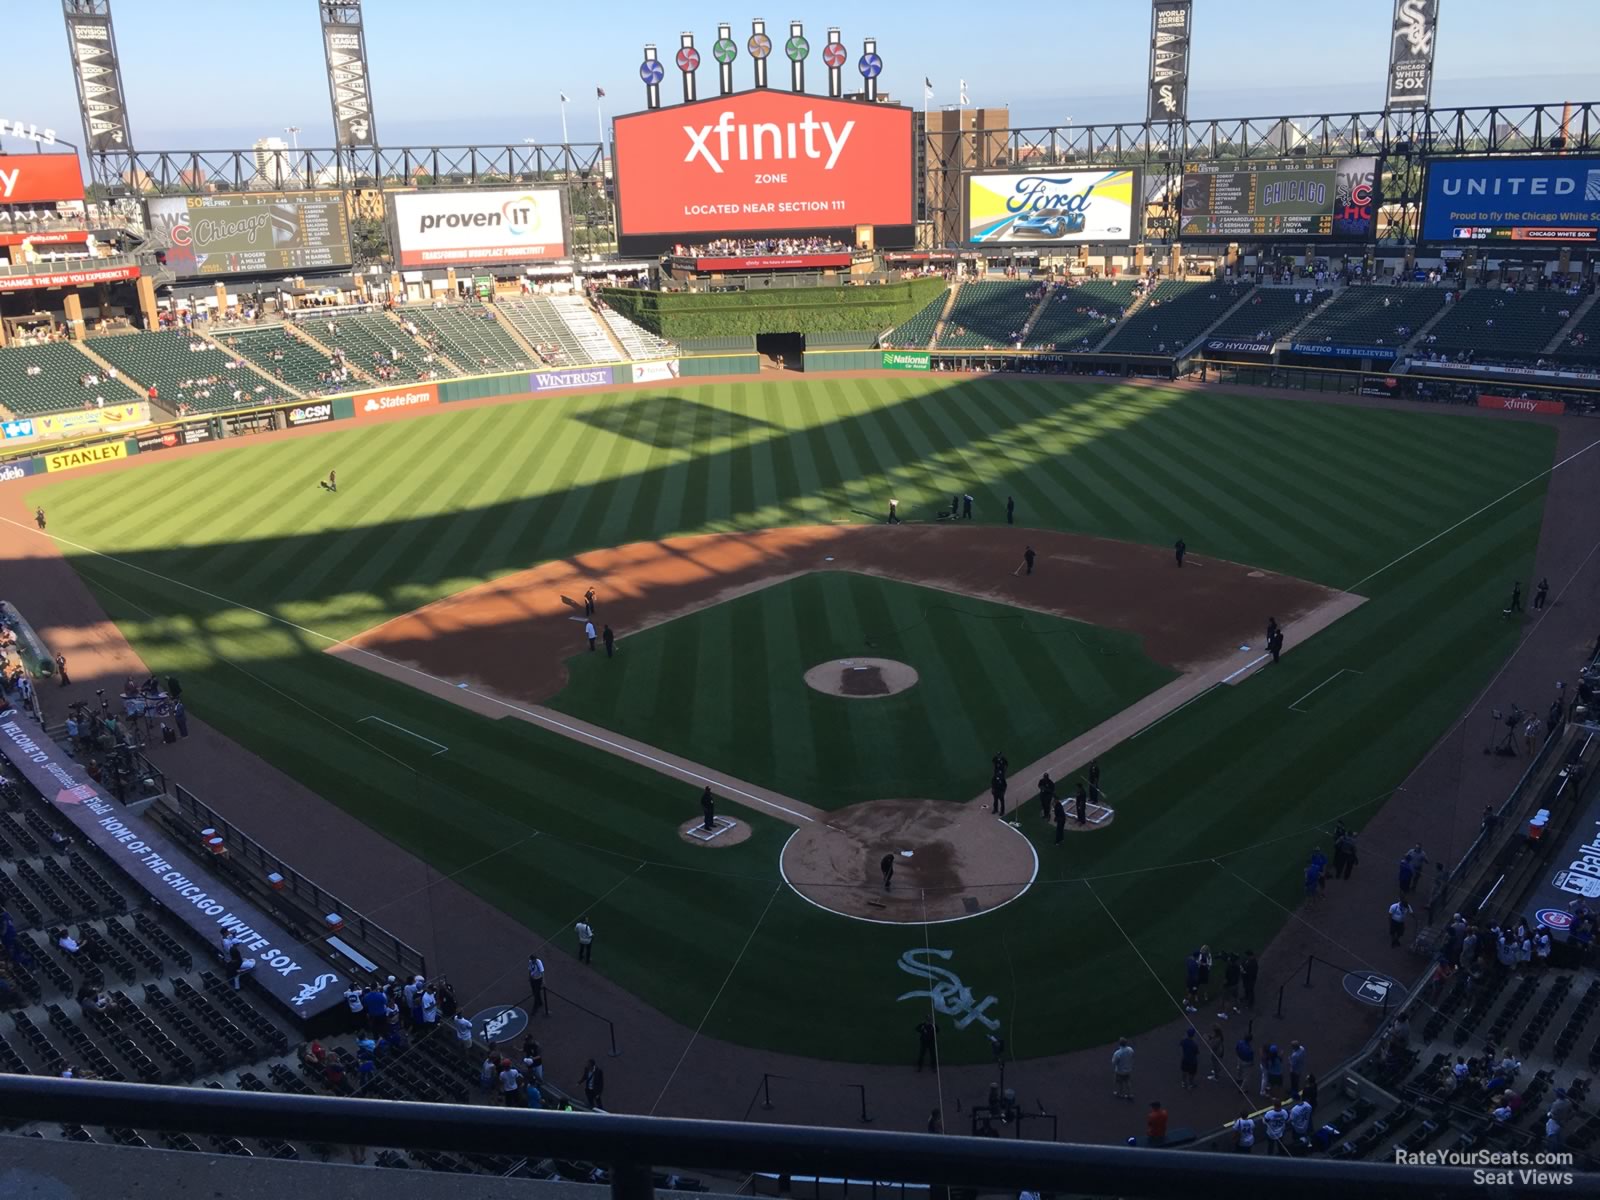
(708, 805)
(1180, 549)
(1061, 820)
(1047, 795)
(886, 865)
(1083, 805)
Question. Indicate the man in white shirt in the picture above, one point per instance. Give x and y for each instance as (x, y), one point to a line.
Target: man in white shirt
(429, 1004)
(536, 981)
(1122, 1070)
(1244, 1134)
(352, 1000)
(585, 930)
(1275, 1121)
(1397, 921)
(1300, 1119)
(510, 1086)
(463, 1026)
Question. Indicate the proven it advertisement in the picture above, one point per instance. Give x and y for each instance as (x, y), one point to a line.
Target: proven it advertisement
(766, 160)
(1052, 207)
(478, 228)
(1550, 200)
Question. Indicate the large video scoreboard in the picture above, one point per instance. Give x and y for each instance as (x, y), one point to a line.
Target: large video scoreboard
(1304, 198)
(245, 234)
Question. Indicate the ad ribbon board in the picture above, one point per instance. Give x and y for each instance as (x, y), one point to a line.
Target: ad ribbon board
(290, 971)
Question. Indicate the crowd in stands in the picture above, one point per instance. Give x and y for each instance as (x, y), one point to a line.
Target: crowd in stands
(754, 247)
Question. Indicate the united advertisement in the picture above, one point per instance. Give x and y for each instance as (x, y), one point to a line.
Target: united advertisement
(435, 229)
(1554, 201)
(763, 160)
(1094, 204)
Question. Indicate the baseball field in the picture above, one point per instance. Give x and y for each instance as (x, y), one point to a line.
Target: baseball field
(734, 535)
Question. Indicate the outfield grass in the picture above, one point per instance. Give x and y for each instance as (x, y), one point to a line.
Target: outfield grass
(431, 505)
(726, 685)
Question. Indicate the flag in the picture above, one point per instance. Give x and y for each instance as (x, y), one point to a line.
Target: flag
(563, 97)
(927, 85)
(964, 99)
(599, 93)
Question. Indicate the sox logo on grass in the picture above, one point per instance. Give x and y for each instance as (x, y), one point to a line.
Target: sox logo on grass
(949, 995)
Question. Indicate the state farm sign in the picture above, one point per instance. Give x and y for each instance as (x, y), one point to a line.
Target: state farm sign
(763, 160)
(374, 404)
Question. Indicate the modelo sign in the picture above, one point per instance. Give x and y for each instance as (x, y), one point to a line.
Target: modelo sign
(763, 160)
(433, 229)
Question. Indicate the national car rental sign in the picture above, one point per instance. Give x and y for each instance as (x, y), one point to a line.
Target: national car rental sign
(763, 160)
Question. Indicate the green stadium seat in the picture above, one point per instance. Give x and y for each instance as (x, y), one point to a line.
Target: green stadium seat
(548, 328)
(1489, 324)
(1174, 314)
(1373, 315)
(470, 337)
(57, 386)
(1079, 317)
(1582, 345)
(988, 314)
(187, 370)
(375, 343)
(918, 331)
(282, 353)
(1269, 314)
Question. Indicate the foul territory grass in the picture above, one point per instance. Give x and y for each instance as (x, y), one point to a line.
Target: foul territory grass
(431, 505)
(726, 685)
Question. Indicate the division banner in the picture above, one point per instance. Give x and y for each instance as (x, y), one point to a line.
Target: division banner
(99, 79)
(1170, 22)
(434, 229)
(247, 234)
(40, 179)
(1416, 22)
(1094, 204)
(763, 160)
(346, 51)
(1555, 201)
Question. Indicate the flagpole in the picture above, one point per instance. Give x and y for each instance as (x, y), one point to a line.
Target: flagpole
(564, 140)
(600, 124)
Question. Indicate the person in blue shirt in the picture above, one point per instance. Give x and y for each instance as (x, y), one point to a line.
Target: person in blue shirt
(1189, 1060)
(1245, 1052)
(1297, 1066)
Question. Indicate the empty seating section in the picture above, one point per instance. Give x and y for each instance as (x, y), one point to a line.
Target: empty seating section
(469, 337)
(988, 314)
(1373, 316)
(1582, 344)
(1172, 316)
(376, 344)
(57, 386)
(1495, 325)
(638, 341)
(918, 331)
(537, 321)
(1269, 314)
(1079, 317)
(581, 322)
(284, 355)
(184, 370)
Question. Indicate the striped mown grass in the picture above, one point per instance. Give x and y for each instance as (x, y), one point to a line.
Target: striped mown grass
(431, 505)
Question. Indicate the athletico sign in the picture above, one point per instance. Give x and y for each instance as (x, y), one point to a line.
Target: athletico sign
(1328, 350)
(763, 160)
(553, 381)
(435, 228)
(1517, 404)
(376, 403)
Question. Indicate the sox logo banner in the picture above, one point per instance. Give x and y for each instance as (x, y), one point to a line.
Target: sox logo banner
(1416, 24)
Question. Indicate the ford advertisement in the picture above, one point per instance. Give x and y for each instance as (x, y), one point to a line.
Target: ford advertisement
(1554, 201)
(1052, 207)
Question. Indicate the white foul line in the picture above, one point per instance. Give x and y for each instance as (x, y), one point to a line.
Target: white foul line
(1323, 684)
(538, 718)
(1254, 662)
(442, 747)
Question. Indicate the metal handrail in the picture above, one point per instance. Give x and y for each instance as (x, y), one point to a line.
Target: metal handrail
(632, 1146)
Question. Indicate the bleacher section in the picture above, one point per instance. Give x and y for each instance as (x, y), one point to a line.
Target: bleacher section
(918, 331)
(57, 387)
(1078, 317)
(281, 353)
(537, 321)
(1373, 316)
(1173, 315)
(638, 341)
(1269, 314)
(1582, 345)
(1493, 325)
(371, 340)
(185, 370)
(470, 337)
(988, 315)
(580, 321)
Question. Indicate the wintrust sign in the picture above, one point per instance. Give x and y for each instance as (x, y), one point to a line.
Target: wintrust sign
(476, 228)
(763, 160)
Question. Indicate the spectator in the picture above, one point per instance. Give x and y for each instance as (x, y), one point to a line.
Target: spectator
(1122, 1070)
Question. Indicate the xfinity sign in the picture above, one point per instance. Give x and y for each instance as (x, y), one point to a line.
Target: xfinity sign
(746, 142)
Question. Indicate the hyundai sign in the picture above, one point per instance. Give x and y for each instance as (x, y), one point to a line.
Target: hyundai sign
(434, 229)
(1052, 207)
(763, 160)
(1555, 201)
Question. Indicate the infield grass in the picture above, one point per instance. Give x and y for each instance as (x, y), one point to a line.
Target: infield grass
(432, 505)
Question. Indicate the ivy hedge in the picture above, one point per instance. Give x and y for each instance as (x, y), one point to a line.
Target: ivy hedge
(788, 310)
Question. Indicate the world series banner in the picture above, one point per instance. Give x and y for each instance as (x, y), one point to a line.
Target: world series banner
(1416, 23)
(99, 78)
(1170, 22)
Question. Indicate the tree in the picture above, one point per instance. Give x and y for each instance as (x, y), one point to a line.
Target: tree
(369, 239)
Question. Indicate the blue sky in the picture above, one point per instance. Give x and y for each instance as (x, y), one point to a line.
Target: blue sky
(220, 75)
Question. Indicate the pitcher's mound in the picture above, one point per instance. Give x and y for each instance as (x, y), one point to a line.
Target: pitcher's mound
(950, 861)
(861, 678)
